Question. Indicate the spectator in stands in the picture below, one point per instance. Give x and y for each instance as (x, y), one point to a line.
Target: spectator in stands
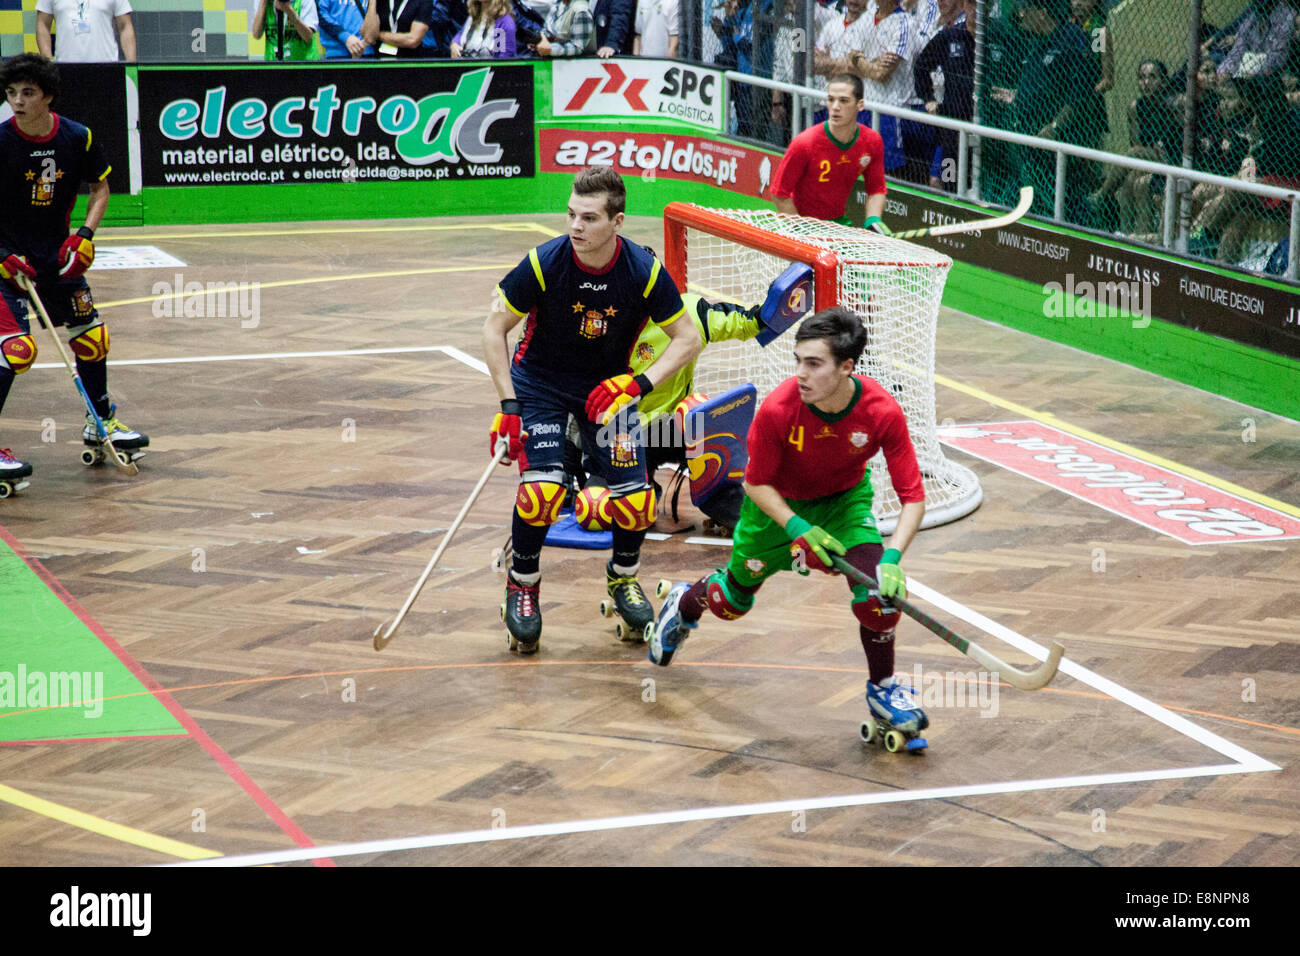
(885, 64)
(839, 37)
(489, 32)
(1057, 99)
(615, 27)
(922, 142)
(949, 56)
(1263, 40)
(783, 72)
(401, 31)
(87, 32)
(569, 31)
(736, 31)
(1006, 47)
(290, 29)
(1090, 16)
(1224, 140)
(656, 29)
(1128, 198)
(340, 29)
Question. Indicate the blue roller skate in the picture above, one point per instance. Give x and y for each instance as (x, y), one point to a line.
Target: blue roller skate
(671, 631)
(895, 721)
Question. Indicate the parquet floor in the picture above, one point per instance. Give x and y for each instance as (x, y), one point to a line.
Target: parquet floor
(289, 504)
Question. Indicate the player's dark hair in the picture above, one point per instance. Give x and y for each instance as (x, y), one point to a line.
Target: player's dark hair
(840, 328)
(602, 179)
(31, 68)
(851, 79)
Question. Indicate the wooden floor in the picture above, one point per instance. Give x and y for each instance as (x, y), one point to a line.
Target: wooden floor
(311, 491)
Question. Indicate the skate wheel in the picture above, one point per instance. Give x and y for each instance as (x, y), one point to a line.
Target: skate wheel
(895, 741)
(620, 629)
(89, 457)
(607, 608)
(6, 489)
(662, 589)
(503, 614)
(124, 459)
(867, 731)
(648, 633)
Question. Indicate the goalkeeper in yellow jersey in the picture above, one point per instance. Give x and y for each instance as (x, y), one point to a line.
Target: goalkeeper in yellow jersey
(665, 411)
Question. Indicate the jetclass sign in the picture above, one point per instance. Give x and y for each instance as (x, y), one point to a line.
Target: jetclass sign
(637, 89)
(1160, 499)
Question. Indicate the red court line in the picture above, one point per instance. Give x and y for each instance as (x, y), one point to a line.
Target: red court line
(227, 763)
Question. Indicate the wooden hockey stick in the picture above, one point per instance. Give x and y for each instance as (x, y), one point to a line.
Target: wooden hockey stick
(1040, 676)
(382, 635)
(122, 461)
(1022, 207)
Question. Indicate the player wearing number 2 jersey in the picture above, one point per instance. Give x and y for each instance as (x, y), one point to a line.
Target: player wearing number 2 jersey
(823, 162)
(808, 496)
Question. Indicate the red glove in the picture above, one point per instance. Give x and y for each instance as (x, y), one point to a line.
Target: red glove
(11, 264)
(613, 394)
(508, 427)
(77, 253)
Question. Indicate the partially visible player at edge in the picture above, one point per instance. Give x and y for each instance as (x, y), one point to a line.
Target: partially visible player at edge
(585, 296)
(822, 163)
(808, 496)
(44, 157)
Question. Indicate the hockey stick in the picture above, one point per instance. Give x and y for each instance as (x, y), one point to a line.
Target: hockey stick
(1022, 207)
(1040, 676)
(382, 639)
(122, 461)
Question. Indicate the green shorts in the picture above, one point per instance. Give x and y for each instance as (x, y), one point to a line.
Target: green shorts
(760, 546)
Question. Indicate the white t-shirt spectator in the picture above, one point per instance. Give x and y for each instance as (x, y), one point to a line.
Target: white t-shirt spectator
(83, 29)
(893, 34)
(839, 40)
(656, 21)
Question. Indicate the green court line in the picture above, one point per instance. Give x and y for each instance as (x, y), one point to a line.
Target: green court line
(58, 680)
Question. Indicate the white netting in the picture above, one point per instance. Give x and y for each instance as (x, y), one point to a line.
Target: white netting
(894, 285)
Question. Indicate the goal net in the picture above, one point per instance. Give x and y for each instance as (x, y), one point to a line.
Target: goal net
(894, 286)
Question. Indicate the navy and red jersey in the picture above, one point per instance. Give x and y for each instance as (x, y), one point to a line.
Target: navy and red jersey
(582, 325)
(806, 453)
(39, 179)
(818, 171)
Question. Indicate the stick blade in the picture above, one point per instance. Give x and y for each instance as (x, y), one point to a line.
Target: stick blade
(382, 636)
(1041, 675)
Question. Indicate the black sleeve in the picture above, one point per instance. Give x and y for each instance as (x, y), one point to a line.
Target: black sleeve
(622, 19)
(925, 63)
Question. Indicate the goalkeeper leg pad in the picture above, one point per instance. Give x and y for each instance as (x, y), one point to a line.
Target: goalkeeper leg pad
(634, 511)
(18, 352)
(91, 344)
(539, 501)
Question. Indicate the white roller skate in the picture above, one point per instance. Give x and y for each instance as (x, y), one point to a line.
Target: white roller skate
(13, 473)
(895, 721)
(671, 631)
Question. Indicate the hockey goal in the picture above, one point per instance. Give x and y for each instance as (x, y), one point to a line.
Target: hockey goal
(894, 285)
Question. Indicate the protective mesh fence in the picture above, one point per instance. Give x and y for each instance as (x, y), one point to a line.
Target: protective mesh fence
(895, 286)
(1107, 75)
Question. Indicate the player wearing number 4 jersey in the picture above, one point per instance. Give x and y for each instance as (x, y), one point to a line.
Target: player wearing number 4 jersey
(808, 496)
(44, 157)
(584, 298)
(823, 162)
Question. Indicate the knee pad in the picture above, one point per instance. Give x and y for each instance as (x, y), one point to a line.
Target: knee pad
(635, 511)
(726, 601)
(539, 502)
(18, 352)
(91, 344)
(874, 616)
(591, 509)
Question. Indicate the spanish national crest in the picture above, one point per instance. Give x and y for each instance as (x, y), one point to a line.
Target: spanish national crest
(594, 324)
(645, 351)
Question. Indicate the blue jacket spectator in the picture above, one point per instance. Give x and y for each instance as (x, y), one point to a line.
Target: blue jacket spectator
(340, 29)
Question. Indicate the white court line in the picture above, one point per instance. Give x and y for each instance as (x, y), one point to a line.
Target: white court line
(455, 353)
(1247, 762)
(704, 813)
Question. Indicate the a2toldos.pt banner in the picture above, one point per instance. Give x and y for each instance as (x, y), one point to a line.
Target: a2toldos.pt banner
(323, 124)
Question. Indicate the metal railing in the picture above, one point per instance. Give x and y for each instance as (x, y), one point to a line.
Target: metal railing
(1178, 178)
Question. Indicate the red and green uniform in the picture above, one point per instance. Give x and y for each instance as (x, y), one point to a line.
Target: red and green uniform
(818, 171)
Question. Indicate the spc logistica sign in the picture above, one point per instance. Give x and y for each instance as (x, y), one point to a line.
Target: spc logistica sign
(656, 90)
(214, 126)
